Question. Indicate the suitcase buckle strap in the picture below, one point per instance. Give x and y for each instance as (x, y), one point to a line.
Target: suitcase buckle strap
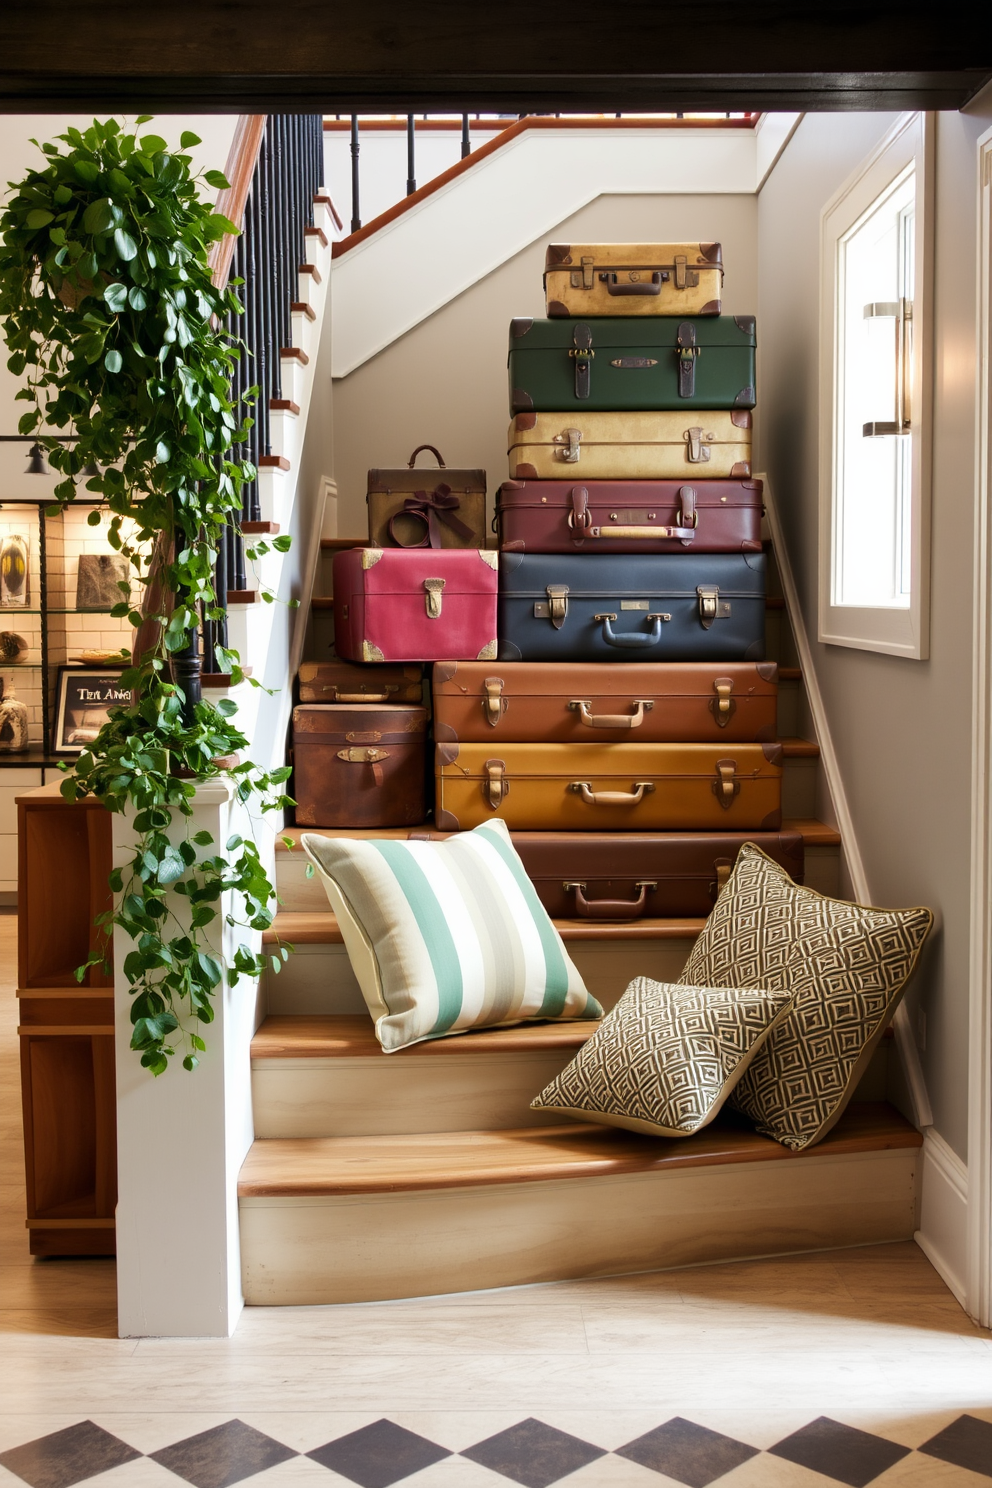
(641, 788)
(611, 909)
(725, 787)
(571, 439)
(582, 353)
(371, 757)
(687, 353)
(723, 867)
(580, 517)
(630, 638)
(688, 515)
(611, 720)
(557, 604)
(494, 703)
(711, 606)
(723, 705)
(685, 278)
(697, 453)
(497, 787)
(432, 598)
(588, 265)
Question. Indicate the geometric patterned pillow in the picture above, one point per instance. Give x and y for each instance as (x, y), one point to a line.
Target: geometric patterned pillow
(846, 967)
(666, 1058)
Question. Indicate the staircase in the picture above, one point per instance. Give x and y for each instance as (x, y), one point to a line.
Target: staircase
(375, 1176)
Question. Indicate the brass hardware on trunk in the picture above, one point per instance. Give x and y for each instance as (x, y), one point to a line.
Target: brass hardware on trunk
(494, 703)
(371, 652)
(588, 265)
(630, 364)
(571, 438)
(711, 606)
(434, 588)
(723, 705)
(724, 867)
(612, 798)
(611, 720)
(697, 452)
(370, 557)
(497, 787)
(725, 787)
(371, 757)
(557, 604)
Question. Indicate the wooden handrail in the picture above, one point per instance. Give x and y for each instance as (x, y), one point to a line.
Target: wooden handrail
(241, 161)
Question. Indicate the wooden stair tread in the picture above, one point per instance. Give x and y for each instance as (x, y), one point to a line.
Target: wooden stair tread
(352, 1036)
(813, 832)
(333, 1166)
(797, 748)
(320, 927)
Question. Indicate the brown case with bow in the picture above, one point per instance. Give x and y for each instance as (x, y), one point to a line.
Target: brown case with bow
(427, 508)
(610, 787)
(618, 876)
(600, 702)
(671, 516)
(359, 765)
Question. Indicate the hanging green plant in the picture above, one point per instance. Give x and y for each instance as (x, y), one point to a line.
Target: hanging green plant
(115, 327)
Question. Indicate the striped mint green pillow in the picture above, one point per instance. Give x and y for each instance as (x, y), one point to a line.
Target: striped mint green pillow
(447, 936)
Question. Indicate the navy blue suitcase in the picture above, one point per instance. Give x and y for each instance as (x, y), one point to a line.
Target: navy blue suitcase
(631, 607)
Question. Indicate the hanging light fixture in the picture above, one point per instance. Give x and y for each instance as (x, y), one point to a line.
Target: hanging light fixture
(91, 470)
(36, 463)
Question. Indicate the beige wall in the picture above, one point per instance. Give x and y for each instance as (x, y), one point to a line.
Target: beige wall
(444, 383)
(902, 728)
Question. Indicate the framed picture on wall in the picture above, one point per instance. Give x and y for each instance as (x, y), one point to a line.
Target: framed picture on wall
(83, 700)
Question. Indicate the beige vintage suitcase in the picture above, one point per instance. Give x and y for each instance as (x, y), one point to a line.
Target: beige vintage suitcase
(633, 279)
(630, 446)
(610, 787)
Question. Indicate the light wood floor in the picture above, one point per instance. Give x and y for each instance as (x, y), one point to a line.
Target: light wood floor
(868, 1338)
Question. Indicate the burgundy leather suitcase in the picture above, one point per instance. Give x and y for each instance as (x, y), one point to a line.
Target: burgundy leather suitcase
(343, 682)
(675, 702)
(639, 875)
(416, 604)
(359, 765)
(663, 516)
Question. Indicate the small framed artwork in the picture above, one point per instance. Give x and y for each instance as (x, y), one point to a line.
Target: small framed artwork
(83, 700)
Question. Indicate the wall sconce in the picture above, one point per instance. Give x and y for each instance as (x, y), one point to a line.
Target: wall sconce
(36, 463)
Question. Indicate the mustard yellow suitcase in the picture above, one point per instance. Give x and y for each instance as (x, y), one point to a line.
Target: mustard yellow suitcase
(631, 446)
(633, 279)
(610, 787)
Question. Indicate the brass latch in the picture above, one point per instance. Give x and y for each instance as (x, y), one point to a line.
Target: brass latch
(697, 453)
(725, 787)
(372, 757)
(723, 704)
(687, 352)
(433, 597)
(557, 604)
(497, 787)
(494, 703)
(571, 439)
(711, 606)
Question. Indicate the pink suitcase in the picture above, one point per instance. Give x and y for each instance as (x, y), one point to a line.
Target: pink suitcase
(617, 516)
(415, 604)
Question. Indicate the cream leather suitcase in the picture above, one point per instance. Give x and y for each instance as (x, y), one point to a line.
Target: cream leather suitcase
(610, 787)
(630, 446)
(633, 279)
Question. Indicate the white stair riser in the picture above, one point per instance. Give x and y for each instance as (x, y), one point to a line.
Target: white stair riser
(401, 1093)
(304, 1251)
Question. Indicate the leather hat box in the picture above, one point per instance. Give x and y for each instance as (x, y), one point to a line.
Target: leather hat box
(644, 702)
(359, 765)
(419, 605)
(414, 508)
(633, 279)
(689, 443)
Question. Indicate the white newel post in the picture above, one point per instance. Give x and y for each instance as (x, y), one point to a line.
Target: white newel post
(182, 1137)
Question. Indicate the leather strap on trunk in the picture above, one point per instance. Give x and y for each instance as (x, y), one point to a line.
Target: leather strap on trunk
(582, 354)
(497, 787)
(726, 786)
(687, 354)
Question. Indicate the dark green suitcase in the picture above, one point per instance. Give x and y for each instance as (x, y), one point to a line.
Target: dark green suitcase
(630, 364)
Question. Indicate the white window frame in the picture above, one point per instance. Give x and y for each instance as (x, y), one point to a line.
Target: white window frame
(903, 631)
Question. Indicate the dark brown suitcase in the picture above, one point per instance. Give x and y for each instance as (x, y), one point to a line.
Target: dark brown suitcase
(597, 702)
(606, 516)
(348, 682)
(639, 875)
(359, 765)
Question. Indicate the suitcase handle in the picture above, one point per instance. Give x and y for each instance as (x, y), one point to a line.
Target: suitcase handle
(612, 798)
(632, 637)
(611, 909)
(650, 286)
(419, 451)
(685, 535)
(611, 720)
(360, 697)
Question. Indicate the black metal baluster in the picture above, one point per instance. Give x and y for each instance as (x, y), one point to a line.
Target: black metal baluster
(466, 141)
(411, 165)
(356, 215)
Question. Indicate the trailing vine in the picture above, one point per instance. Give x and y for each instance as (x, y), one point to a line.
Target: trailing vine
(115, 327)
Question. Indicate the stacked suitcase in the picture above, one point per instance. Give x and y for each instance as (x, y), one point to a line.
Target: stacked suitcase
(612, 704)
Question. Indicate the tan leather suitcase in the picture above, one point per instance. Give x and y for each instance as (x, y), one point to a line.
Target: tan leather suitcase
(631, 446)
(633, 279)
(427, 508)
(610, 787)
(643, 702)
(359, 765)
(346, 682)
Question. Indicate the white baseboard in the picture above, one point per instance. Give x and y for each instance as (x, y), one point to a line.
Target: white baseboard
(943, 1232)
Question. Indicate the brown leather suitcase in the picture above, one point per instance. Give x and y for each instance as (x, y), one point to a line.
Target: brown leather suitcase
(610, 787)
(599, 702)
(703, 516)
(639, 875)
(359, 765)
(427, 508)
(346, 682)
